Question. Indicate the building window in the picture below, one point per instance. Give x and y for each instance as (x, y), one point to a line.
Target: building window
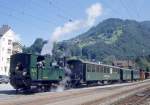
(5, 69)
(9, 51)
(9, 42)
(8, 60)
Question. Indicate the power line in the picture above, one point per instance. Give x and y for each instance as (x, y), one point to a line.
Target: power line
(59, 15)
(112, 9)
(17, 19)
(52, 4)
(134, 8)
(59, 9)
(137, 9)
(126, 8)
(28, 14)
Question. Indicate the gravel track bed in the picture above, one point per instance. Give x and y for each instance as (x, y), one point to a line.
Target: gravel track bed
(88, 96)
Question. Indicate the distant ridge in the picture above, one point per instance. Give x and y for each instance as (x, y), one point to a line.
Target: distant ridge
(111, 37)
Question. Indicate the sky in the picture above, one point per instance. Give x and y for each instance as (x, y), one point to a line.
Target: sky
(31, 19)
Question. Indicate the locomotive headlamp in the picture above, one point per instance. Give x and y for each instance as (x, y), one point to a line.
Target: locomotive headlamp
(24, 73)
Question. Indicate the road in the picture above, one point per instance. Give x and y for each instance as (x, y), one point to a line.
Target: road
(86, 96)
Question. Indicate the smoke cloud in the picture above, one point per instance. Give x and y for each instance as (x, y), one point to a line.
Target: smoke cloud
(64, 82)
(17, 38)
(92, 12)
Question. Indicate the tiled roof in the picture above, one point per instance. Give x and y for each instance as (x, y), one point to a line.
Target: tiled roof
(4, 29)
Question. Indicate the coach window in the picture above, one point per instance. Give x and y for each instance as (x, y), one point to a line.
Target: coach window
(97, 68)
(115, 70)
(88, 67)
(108, 70)
(111, 70)
(104, 69)
(93, 68)
(100, 69)
(118, 71)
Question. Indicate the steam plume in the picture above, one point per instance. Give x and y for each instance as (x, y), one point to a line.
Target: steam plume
(64, 82)
(92, 12)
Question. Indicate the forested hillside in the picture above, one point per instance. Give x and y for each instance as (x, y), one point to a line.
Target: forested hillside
(111, 37)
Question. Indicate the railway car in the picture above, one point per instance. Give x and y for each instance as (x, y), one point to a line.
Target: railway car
(89, 72)
(28, 70)
(147, 75)
(142, 74)
(125, 74)
(135, 75)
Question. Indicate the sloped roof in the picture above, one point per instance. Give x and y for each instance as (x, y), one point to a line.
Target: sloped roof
(124, 63)
(4, 29)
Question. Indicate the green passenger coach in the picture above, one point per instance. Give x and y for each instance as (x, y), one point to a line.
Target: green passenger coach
(101, 72)
(93, 72)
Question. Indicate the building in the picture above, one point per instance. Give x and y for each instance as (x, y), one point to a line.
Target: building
(17, 48)
(7, 38)
(124, 63)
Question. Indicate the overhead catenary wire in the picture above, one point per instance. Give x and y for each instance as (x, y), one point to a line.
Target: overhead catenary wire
(137, 8)
(134, 8)
(38, 18)
(112, 9)
(50, 3)
(126, 8)
(20, 20)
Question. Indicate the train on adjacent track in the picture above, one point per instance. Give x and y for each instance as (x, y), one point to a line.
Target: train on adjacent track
(29, 70)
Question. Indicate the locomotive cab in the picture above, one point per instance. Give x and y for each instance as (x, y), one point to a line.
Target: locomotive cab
(19, 70)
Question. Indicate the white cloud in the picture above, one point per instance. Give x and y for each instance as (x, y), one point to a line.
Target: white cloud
(92, 12)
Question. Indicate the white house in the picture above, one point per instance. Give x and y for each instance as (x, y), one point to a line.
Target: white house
(17, 47)
(7, 38)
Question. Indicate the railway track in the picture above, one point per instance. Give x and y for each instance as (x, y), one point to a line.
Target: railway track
(137, 99)
(87, 96)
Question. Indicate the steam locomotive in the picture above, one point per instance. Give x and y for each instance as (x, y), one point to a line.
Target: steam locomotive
(29, 70)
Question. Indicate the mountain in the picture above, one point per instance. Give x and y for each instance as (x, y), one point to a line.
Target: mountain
(112, 37)
(36, 47)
